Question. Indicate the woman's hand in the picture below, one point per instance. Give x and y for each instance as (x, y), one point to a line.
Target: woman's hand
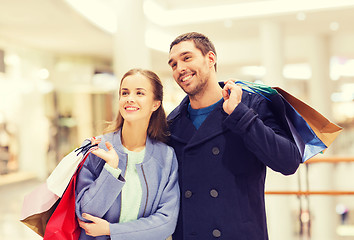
(97, 226)
(232, 95)
(110, 156)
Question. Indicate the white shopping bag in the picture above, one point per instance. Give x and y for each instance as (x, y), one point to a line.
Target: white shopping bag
(59, 179)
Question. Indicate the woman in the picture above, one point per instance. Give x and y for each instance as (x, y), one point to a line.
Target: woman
(127, 188)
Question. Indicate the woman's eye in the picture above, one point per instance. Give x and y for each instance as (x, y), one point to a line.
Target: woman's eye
(140, 93)
(124, 93)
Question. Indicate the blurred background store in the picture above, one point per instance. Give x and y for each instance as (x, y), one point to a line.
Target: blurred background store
(61, 62)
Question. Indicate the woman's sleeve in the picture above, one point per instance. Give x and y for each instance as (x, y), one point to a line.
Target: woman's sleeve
(96, 188)
(264, 136)
(160, 224)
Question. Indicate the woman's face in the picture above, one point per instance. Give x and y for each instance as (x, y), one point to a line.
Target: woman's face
(136, 101)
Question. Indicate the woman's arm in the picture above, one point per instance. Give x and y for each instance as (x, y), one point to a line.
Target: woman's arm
(96, 188)
(159, 225)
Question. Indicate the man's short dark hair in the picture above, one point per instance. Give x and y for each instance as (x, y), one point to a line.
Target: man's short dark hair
(201, 42)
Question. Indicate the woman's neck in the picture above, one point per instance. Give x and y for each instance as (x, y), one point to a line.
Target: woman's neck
(133, 137)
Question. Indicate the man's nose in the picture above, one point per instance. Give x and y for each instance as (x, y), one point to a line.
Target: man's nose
(181, 67)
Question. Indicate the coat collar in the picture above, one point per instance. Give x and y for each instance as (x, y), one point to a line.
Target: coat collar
(183, 130)
(118, 146)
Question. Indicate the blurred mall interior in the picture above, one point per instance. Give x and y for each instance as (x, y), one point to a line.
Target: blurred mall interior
(61, 62)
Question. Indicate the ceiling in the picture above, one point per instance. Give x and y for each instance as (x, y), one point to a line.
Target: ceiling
(54, 26)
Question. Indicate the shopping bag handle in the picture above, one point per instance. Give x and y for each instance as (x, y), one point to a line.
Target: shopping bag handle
(85, 148)
(252, 88)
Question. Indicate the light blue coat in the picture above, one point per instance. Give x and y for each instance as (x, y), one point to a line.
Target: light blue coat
(99, 193)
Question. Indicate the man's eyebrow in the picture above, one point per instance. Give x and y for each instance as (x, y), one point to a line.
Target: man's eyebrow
(182, 54)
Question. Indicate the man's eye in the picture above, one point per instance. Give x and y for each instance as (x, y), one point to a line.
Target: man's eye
(186, 58)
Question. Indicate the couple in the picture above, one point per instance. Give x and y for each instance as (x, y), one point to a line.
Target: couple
(208, 182)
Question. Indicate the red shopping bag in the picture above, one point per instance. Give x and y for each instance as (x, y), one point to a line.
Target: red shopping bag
(63, 224)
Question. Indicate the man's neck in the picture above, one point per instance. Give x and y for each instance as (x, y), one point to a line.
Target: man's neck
(211, 94)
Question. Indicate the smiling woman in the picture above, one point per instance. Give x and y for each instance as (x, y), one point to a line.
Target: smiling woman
(139, 198)
(142, 84)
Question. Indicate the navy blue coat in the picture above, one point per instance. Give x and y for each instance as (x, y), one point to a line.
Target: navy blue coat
(222, 168)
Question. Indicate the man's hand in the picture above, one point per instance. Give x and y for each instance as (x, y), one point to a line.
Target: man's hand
(97, 226)
(110, 156)
(232, 95)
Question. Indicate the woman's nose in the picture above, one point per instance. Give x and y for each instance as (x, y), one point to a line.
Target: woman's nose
(130, 99)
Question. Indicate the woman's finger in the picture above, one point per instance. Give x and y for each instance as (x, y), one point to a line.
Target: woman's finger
(102, 154)
(89, 217)
(109, 146)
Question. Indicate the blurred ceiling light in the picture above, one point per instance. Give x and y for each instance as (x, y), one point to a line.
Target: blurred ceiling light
(43, 74)
(301, 16)
(12, 59)
(257, 71)
(163, 17)
(297, 71)
(228, 23)
(334, 26)
(157, 39)
(340, 68)
(97, 12)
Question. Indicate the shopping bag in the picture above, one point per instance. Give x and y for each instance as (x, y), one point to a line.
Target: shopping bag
(324, 129)
(63, 223)
(312, 132)
(37, 208)
(39, 205)
(59, 179)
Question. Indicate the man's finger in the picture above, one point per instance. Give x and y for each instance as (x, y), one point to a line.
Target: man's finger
(225, 94)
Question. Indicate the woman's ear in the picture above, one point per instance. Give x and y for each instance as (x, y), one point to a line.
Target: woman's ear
(156, 105)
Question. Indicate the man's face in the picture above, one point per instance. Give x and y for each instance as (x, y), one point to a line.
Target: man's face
(191, 70)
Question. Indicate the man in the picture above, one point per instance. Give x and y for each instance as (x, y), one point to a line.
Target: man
(224, 138)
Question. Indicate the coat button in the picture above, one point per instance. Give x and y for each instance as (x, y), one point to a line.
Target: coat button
(214, 193)
(216, 233)
(215, 150)
(188, 194)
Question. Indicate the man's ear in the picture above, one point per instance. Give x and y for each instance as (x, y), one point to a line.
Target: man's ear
(211, 59)
(156, 105)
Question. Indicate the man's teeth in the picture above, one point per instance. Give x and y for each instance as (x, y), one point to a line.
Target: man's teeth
(186, 78)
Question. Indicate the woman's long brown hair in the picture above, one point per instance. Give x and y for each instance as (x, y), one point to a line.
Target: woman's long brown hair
(157, 129)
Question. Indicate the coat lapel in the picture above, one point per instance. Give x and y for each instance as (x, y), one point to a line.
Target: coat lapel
(187, 133)
(211, 127)
(181, 122)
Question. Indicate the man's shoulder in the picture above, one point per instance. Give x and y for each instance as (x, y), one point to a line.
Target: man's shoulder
(252, 99)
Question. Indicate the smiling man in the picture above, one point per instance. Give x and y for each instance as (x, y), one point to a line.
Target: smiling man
(224, 139)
